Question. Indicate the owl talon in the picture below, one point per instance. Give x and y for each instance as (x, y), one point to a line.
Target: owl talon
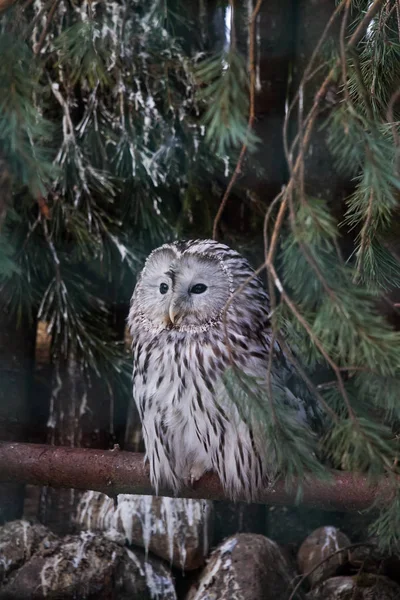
(195, 474)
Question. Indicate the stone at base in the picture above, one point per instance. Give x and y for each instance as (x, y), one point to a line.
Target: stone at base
(363, 587)
(244, 567)
(323, 542)
(19, 540)
(89, 566)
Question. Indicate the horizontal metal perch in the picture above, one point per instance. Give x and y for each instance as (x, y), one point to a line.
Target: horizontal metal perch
(118, 472)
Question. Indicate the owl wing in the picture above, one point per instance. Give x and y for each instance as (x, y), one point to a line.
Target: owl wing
(288, 384)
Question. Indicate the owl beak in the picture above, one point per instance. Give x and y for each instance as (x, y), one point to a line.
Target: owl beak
(172, 314)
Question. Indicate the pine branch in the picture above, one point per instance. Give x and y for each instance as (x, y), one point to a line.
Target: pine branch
(25, 134)
(116, 472)
(297, 170)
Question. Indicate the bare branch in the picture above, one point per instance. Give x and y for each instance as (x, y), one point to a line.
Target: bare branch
(116, 472)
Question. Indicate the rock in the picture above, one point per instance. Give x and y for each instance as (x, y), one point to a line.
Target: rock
(176, 529)
(372, 559)
(75, 562)
(318, 546)
(89, 566)
(369, 558)
(245, 566)
(18, 541)
(144, 578)
(363, 587)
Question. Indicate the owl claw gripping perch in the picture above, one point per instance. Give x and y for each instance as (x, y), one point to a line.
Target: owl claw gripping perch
(186, 333)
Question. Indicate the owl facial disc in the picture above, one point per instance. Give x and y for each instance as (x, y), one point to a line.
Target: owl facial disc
(185, 291)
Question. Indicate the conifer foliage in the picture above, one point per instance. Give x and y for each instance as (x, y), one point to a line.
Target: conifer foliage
(111, 114)
(327, 303)
(98, 127)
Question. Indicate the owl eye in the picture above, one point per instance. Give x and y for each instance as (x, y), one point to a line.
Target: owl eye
(163, 288)
(198, 288)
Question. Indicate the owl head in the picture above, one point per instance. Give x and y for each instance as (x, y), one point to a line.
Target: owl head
(186, 285)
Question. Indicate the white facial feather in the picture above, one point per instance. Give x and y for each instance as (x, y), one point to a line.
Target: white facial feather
(154, 306)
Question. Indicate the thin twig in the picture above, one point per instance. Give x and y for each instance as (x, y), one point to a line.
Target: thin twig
(269, 253)
(53, 251)
(250, 123)
(46, 28)
(363, 89)
(342, 45)
(275, 234)
(272, 295)
(255, 274)
(311, 76)
(302, 154)
(364, 240)
(267, 218)
(31, 25)
(268, 214)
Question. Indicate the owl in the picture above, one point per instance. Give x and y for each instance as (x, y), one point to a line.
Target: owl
(188, 326)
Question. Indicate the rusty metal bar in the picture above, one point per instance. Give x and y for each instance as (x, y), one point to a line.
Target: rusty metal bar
(118, 472)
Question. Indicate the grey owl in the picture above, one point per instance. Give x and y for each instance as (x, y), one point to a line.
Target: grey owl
(180, 353)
